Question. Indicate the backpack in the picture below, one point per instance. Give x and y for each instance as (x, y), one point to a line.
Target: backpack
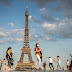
(35, 49)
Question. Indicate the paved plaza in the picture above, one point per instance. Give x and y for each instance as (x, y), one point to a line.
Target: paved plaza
(36, 71)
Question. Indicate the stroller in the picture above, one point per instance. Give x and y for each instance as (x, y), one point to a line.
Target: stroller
(12, 60)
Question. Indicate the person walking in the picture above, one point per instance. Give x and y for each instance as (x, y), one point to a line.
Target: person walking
(4, 64)
(9, 57)
(67, 64)
(38, 55)
(51, 63)
(0, 64)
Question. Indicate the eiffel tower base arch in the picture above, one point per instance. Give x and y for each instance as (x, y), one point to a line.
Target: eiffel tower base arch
(22, 65)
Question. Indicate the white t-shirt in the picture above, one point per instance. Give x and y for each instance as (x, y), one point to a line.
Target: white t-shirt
(67, 63)
(50, 60)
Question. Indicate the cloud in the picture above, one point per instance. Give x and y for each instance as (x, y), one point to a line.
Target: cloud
(13, 36)
(10, 40)
(6, 2)
(47, 15)
(36, 37)
(2, 34)
(43, 9)
(61, 30)
(19, 39)
(42, 3)
(47, 38)
(13, 40)
(33, 29)
(11, 24)
(39, 37)
(30, 17)
(59, 7)
(33, 18)
(1, 42)
(8, 33)
(50, 27)
(1, 29)
(65, 28)
(19, 31)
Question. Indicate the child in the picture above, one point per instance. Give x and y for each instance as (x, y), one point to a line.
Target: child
(4, 65)
(50, 63)
(0, 64)
(67, 63)
(58, 62)
(44, 65)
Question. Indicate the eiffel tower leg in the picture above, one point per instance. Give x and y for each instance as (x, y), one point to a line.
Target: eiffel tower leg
(22, 57)
(30, 58)
(19, 67)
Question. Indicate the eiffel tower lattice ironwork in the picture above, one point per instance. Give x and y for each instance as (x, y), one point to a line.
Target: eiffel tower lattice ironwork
(26, 49)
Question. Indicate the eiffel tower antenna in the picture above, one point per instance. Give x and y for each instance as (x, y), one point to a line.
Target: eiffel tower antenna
(27, 5)
(26, 8)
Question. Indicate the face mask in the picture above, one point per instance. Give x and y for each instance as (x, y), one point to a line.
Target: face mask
(38, 45)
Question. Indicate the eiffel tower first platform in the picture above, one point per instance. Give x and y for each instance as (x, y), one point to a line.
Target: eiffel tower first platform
(21, 65)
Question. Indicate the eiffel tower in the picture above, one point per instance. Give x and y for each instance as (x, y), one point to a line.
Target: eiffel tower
(26, 49)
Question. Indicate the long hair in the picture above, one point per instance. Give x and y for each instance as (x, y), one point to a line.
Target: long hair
(37, 44)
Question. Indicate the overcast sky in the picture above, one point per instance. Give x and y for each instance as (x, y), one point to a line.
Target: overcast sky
(50, 24)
